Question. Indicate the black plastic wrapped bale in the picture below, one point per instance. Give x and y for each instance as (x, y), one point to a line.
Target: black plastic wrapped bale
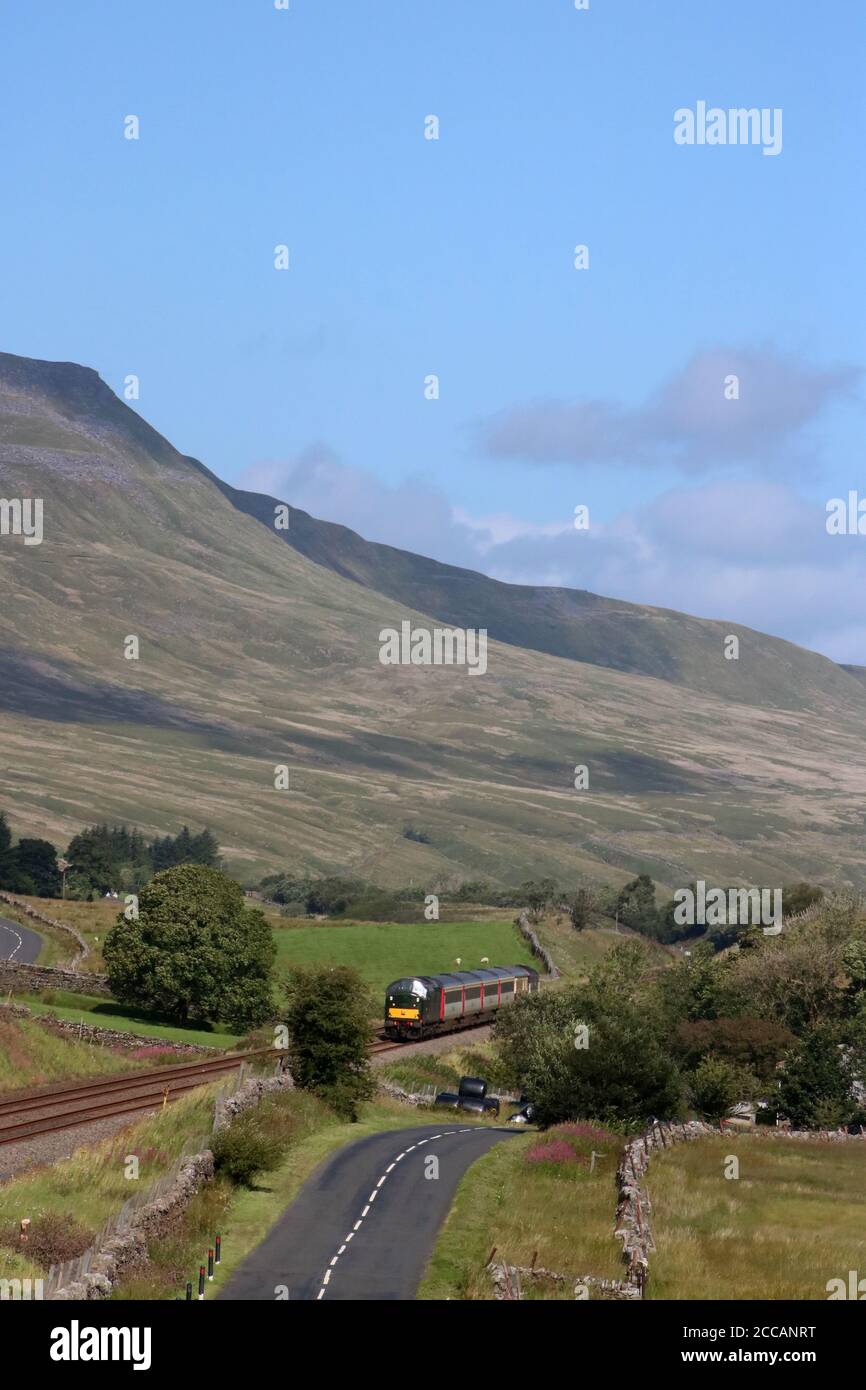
(473, 1086)
(447, 1098)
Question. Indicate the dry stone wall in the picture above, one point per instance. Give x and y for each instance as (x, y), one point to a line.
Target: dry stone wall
(123, 1254)
(16, 975)
(126, 1253)
(525, 928)
(89, 1032)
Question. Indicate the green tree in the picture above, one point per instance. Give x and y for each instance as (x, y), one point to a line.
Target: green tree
(579, 906)
(580, 1058)
(636, 906)
(195, 952)
(756, 1045)
(328, 1017)
(5, 834)
(716, 1084)
(816, 1085)
(536, 894)
(854, 963)
(37, 860)
(694, 987)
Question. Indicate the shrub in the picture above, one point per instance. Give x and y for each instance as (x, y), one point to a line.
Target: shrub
(816, 1085)
(243, 1149)
(51, 1238)
(715, 1085)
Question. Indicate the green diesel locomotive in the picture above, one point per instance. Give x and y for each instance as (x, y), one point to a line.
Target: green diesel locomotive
(423, 1005)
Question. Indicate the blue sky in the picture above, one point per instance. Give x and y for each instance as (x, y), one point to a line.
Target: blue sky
(411, 256)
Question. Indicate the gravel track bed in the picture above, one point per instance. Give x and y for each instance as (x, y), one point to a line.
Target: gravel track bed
(463, 1037)
(46, 1149)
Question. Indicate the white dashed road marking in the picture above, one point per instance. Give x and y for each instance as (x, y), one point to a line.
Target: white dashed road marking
(373, 1195)
(12, 932)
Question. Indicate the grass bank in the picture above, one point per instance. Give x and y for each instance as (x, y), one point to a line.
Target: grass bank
(559, 1208)
(32, 1056)
(92, 1185)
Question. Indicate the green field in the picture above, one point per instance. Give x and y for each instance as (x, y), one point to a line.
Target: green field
(793, 1219)
(384, 951)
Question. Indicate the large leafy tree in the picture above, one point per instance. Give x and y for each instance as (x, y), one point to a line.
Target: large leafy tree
(328, 1019)
(636, 906)
(581, 1057)
(816, 1086)
(37, 860)
(195, 952)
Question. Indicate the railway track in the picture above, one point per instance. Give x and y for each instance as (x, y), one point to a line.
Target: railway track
(385, 1044)
(49, 1109)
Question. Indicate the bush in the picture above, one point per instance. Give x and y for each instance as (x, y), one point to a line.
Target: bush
(51, 1239)
(816, 1085)
(715, 1085)
(243, 1149)
(756, 1044)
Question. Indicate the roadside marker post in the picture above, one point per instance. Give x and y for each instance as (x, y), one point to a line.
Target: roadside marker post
(210, 1266)
(189, 1290)
(218, 1250)
(201, 1282)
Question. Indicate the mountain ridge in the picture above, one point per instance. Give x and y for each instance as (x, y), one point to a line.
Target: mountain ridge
(253, 654)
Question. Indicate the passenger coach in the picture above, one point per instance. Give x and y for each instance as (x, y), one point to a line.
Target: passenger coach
(428, 1004)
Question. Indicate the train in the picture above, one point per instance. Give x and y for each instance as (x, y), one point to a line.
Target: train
(421, 1006)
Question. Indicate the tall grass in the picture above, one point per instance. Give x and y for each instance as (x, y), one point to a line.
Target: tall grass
(31, 1056)
(92, 1185)
(793, 1219)
(560, 1210)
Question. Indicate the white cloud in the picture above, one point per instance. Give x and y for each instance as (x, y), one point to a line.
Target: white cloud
(755, 553)
(688, 423)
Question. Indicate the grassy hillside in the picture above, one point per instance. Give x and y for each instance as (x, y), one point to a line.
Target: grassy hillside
(31, 1056)
(575, 953)
(795, 1218)
(252, 655)
(106, 1013)
(571, 623)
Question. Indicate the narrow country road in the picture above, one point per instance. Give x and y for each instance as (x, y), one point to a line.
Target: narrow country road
(364, 1224)
(18, 943)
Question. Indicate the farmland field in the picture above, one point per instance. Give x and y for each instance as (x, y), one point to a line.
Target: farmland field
(383, 951)
(793, 1219)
